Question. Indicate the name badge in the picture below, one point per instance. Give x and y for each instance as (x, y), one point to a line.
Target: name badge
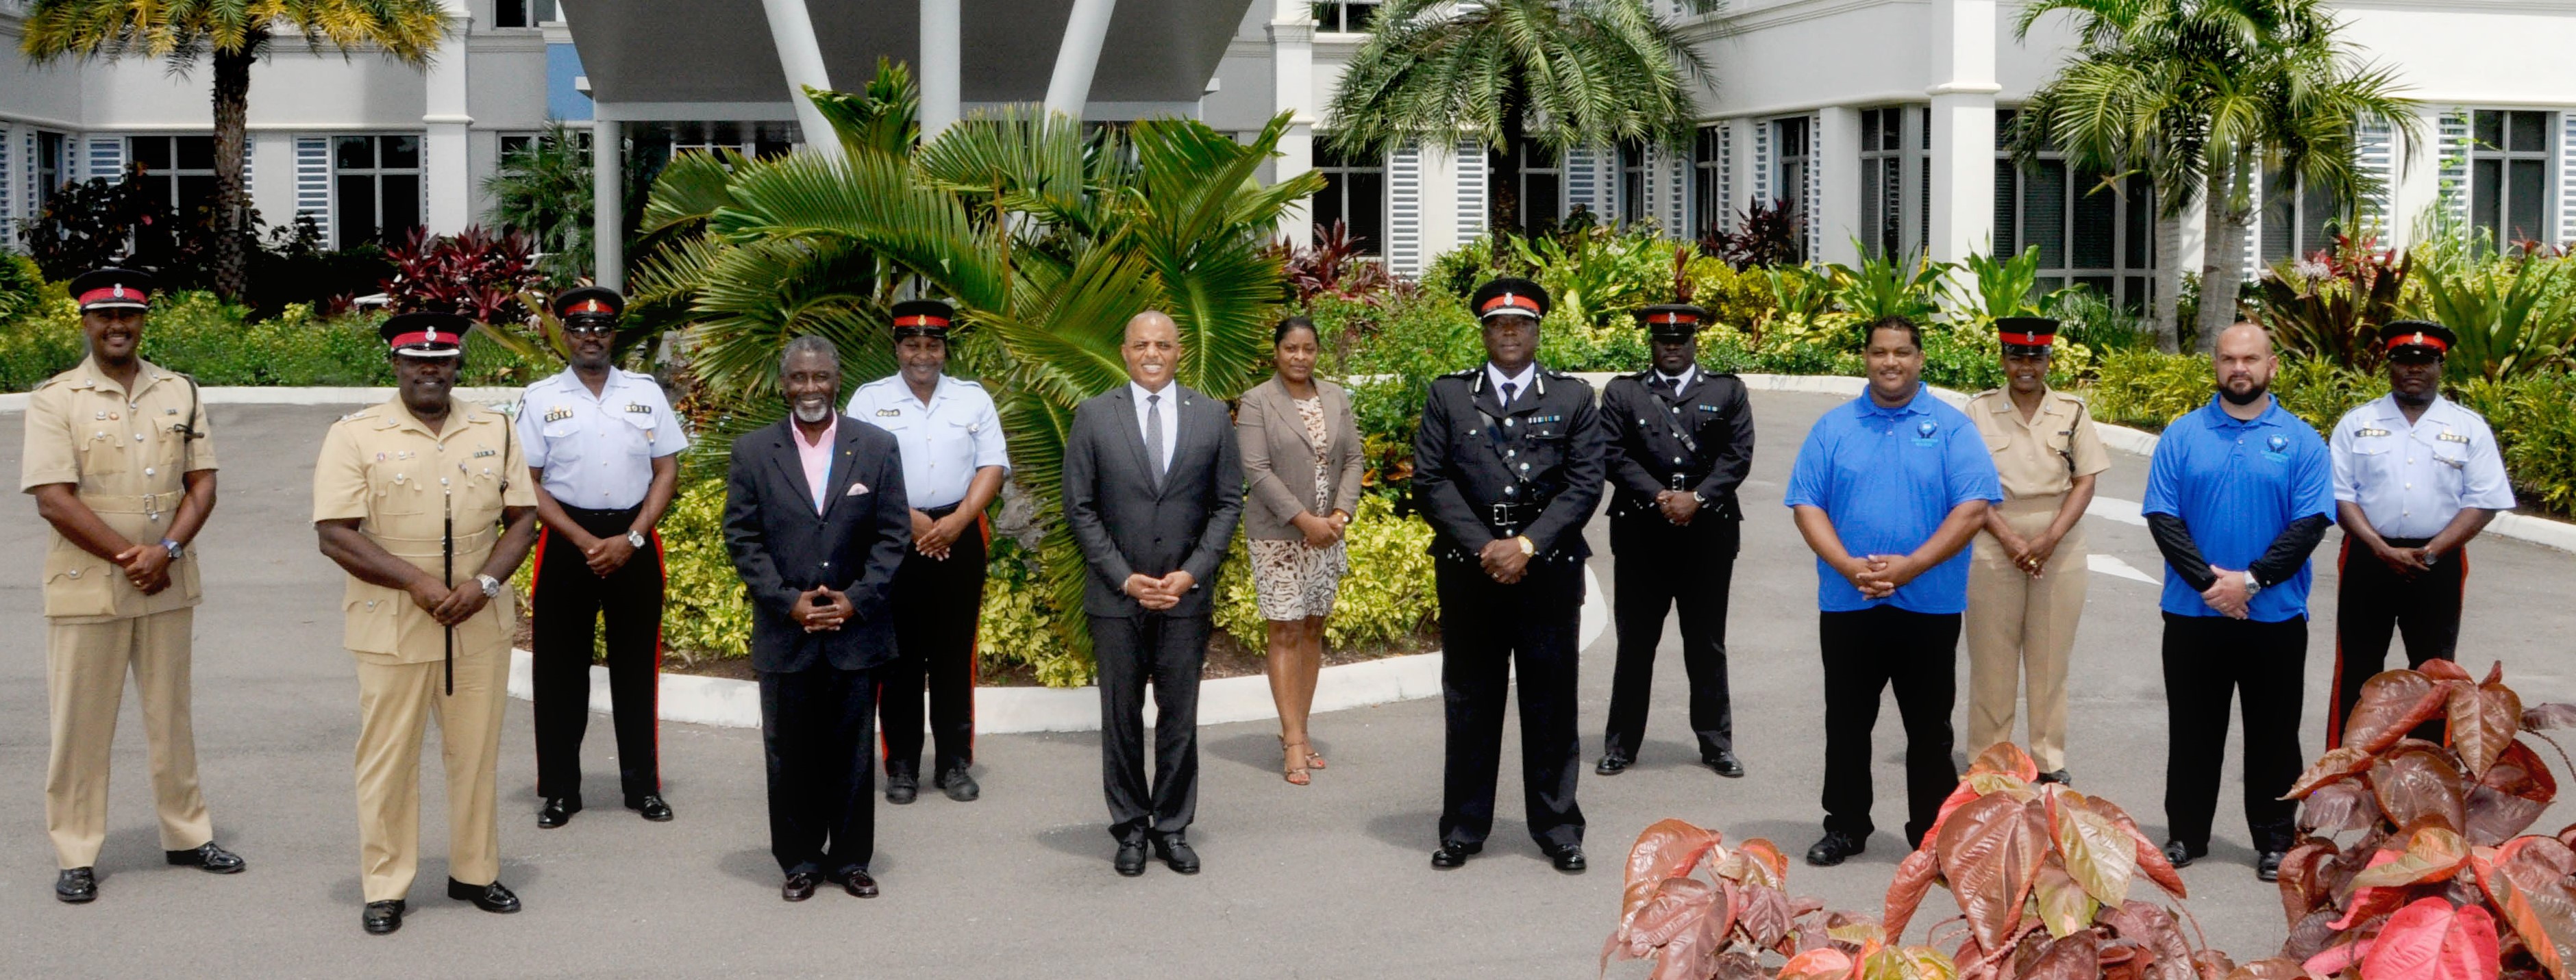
(639, 409)
(558, 413)
(2369, 433)
(2453, 437)
(480, 453)
(887, 413)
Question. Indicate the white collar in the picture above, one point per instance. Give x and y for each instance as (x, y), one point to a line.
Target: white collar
(1520, 382)
(1679, 381)
(1139, 391)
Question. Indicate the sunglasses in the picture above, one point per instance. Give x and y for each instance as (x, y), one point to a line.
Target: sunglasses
(589, 329)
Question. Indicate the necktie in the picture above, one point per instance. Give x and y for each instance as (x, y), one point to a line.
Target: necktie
(1154, 438)
(1509, 389)
(1670, 387)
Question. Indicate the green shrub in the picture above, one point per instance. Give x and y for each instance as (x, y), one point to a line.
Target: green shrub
(218, 344)
(1019, 622)
(2534, 418)
(22, 288)
(705, 609)
(2148, 388)
(1386, 599)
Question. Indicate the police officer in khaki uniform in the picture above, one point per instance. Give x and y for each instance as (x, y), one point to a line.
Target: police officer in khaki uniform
(2026, 585)
(402, 491)
(118, 459)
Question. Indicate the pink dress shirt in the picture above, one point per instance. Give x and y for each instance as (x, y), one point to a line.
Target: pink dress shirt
(816, 457)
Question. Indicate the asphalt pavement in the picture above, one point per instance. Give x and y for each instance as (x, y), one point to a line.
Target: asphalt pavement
(1330, 880)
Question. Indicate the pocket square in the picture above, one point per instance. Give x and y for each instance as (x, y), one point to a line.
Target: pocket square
(856, 489)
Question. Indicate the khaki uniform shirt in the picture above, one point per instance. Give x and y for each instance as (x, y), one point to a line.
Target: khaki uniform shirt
(2043, 456)
(401, 481)
(128, 454)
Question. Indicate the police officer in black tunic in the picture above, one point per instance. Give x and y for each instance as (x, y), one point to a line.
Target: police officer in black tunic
(1681, 440)
(1507, 469)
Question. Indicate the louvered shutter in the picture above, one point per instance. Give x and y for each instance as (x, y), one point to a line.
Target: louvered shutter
(8, 188)
(1814, 192)
(1763, 195)
(1583, 183)
(2453, 151)
(2378, 159)
(1471, 191)
(2566, 177)
(1725, 216)
(106, 158)
(313, 181)
(1404, 211)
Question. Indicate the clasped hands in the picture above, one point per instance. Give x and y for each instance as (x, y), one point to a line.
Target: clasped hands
(933, 537)
(2227, 595)
(1879, 576)
(1503, 560)
(450, 606)
(2030, 554)
(1320, 530)
(1677, 506)
(2406, 562)
(1158, 593)
(606, 555)
(147, 566)
(822, 610)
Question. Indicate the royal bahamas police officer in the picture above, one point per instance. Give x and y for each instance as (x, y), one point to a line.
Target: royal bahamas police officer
(954, 461)
(1507, 470)
(120, 462)
(1680, 441)
(426, 503)
(2416, 476)
(2027, 580)
(603, 455)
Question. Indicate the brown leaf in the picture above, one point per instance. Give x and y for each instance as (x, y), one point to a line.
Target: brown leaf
(1667, 849)
(1676, 906)
(2276, 968)
(2367, 903)
(2391, 705)
(2097, 853)
(2149, 926)
(2302, 878)
(2484, 719)
(1763, 914)
(2339, 806)
(2415, 783)
(2311, 936)
(1756, 862)
(2005, 757)
(2540, 716)
(1818, 964)
(1905, 892)
(2334, 765)
(2148, 856)
(2511, 795)
(1990, 853)
(2074, 956)
(2431, 854)
(1739, 965)
(2446, 670)
(2063, 905)
(2213, 965)
(2527, 880)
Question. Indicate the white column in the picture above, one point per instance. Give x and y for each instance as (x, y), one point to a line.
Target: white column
(1963, 129)
(2417, 183)
(608, 200)
(272, 190)
(1078, 56)
(942, 65)
(800, 58)
(1834, 159)
(447, 158)
(1292, 87)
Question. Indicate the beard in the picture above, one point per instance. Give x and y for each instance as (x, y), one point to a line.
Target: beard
(2248, 397)
(813, 414)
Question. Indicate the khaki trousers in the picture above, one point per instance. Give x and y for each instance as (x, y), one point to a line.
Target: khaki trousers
(2021, 631)
(85, 667)
(395, 703)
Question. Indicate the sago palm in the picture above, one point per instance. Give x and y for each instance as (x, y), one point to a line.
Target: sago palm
(233, 34)
(2206, 96)
(1570, 73)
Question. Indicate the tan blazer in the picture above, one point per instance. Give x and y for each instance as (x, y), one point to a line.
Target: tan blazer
(1278, 462)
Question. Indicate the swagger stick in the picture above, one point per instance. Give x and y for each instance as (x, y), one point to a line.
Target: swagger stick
(447, 553)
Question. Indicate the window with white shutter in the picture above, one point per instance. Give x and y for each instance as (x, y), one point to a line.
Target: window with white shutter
(1404, 211)
(2453, 147)
(313, 181)
(1472, 204)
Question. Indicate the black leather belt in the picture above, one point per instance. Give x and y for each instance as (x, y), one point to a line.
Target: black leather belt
(1507, 514)
(936, 513)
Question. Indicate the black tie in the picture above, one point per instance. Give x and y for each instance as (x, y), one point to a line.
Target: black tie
(1509, 389)
(1672, 386)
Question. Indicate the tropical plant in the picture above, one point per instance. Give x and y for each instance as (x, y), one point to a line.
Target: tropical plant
(1997, 288)
(1595, 273)
(1738, 299)
(545, 192)
(2438, 886)
(22, 286)
(475, 273)
(1800, 300)
(2332, 304)
(1335, 265)
(1567, 73)
(1739, 922)
(1767, 236)
(1887, 286)
(2506, 323)
(92, 223)
(234, 35)
(2208, 98)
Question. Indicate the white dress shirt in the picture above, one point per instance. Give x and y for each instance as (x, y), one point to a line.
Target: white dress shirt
(944, 441)
(2411, 479)
(1170, 412)
(1678, 381)
(1520, 382)
(598, 450)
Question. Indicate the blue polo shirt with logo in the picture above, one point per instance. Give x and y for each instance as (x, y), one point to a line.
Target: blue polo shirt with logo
(1886, 477)
(2236, 485)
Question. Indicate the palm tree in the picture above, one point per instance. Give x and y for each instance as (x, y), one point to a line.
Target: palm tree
(233, 34)
(1573, 72)
(545, 191)
(2206, 96)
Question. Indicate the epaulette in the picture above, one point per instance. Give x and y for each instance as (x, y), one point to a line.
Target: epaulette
(63, 378)
(359, 414)
(1463, 375)
(1554, 373)
(968, 382)
(1982, 394)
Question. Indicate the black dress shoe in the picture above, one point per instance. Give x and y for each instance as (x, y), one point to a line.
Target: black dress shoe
(76, 885)
(558, 811)
(1175, 851)
(958, 785)
(799, 886)
(1452, 855)
(1568, 859)
(857, 883)
(902, 788)
(2057, 776)
(1835, 846)
(2268, 867)
(652, 806)
(1725, 762)
(2180, 856)
(1611, 765)
(493, 897)
(208, 858)
(380, 918)
(1130, 861)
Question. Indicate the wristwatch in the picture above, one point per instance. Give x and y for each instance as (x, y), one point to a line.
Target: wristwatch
(1527, 549)
(175, 549)
(635, 538)
(491, 586)
(2253, 586)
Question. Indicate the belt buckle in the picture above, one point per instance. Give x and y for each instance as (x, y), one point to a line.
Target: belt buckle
(152, 507)
(1680, 481)
(1501, 512)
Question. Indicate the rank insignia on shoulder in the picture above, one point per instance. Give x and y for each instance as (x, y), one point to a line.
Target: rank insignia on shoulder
(480, 453)
(2453, 437)
(558, 413)
(2368, 433)
(639, 408)
(888, 413)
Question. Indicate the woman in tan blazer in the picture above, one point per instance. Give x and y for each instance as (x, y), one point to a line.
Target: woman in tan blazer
(1301, 464)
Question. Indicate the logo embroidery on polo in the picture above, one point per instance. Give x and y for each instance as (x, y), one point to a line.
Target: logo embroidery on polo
(558, 413)
(2277, 443)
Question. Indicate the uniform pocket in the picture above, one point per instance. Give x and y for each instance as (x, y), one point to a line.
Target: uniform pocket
(1996, 444)
(104, 453)
(78, 583)
(371, 617)
(644, 423)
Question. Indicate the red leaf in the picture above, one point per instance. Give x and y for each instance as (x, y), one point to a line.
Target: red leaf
(1763, 913)
(2150, 856)
(1990, 853)
(2511, 795)
(2345, 804)
(1675, 907)
(1905, 893)
(2527, 880)
(1756, 862)
(2415, 782)
(2391, 705)
(2075, 956)
(2007, 758)
(2484, 720)
(2334, 765)
(2432, 854)
(2337, 959)
(2430, 940)
(2540, 716)
(1819, 964)
(1668, 849)
(2276, 968)
(2368, 902)
(2447, 670)
(2302, 880)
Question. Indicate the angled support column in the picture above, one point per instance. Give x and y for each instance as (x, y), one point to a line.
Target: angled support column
(1292, 87)
(800, 58)
(942, 65)
(1078, 56)
(608, 200)
(447, 157)
(1963, 129)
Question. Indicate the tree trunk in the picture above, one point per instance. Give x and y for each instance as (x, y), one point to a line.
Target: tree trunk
(1505, 167)
(2167, 309)
(232, 205)
(2222, 262)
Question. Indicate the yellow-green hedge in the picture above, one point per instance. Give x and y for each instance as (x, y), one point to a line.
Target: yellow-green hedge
(1386, 598)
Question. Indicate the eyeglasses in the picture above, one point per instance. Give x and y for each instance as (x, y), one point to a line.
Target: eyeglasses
(589, 330)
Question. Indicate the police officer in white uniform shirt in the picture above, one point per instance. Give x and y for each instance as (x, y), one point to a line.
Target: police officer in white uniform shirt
(954, 460)
(2415, 477)
(603, 447)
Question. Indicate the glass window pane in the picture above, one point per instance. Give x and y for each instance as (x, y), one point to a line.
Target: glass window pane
(2137, 294)
(1869, 139)
(153, 152)
(2100, 285)
(2004, 122)
(161, 191)
(354, 152)
(2043, 221)
(1328, 202)
(195, 192)
(356, 218)
(1367, 211)
(2097, 224)
(401, 205)
(2007, 210)
(1541, 200)
(196, 152)
(2490, 129)
(1632, 195)
(2530, 132)
(514, 145)
(2138, 249)
(509, 13)
(401, 152)
(1537, 156)
(2319, 219)
(2049, 284)
(1358, 16)
(2523, 200)
(2486, 197)
(1870, 210)
(2280, 219)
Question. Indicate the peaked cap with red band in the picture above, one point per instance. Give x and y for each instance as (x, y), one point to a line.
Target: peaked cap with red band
(426, 334)
(922, 318)
(1672, 321)
(2417, 337)
(111, 288)
(589, 301)
(2026, 331)
(1509, 297)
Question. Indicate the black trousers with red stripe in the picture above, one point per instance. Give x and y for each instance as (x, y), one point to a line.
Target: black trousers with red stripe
(570, 603)
(936, 607)
(2373, 603)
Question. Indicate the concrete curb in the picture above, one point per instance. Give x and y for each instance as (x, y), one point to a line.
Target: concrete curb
(17, 402)
(728, 703)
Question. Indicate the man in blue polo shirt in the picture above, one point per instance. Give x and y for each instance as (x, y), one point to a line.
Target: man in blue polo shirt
(2237, 495)
(1888, 490)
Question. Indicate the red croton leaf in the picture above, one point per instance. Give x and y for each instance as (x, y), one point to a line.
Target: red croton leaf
(2302, 881)
(2339, 806)
(1990, 853)
(2074, 956)
(2391, 705)
(2430, 940)
(1677, 906)
(2527, 881)
(2369, 902)
(2415, 782)
(2431, 854)
(1756, 862)
(2149, 856)
(2006, 758)
(2276, 968)
(2484, 720)
(1905, 893)
(2511, 795)
(1820, 964)
(1667, 849)
(2447, 670)
(2096, 852)
(2335, 765)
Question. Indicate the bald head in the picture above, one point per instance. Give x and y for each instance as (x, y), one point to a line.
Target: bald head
(1152, 349)
(2243, 361)
(2245, 336)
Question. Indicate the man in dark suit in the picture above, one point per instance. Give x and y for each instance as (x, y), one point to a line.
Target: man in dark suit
(817, 522)
(1152, 489)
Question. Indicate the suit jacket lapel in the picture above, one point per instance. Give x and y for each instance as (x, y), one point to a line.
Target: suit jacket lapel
(1182, 398)
(844, 470)
(1322, 396)
(790, 463)
(1488, 395)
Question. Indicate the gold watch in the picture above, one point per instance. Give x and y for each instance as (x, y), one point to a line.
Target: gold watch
(1528, 549)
